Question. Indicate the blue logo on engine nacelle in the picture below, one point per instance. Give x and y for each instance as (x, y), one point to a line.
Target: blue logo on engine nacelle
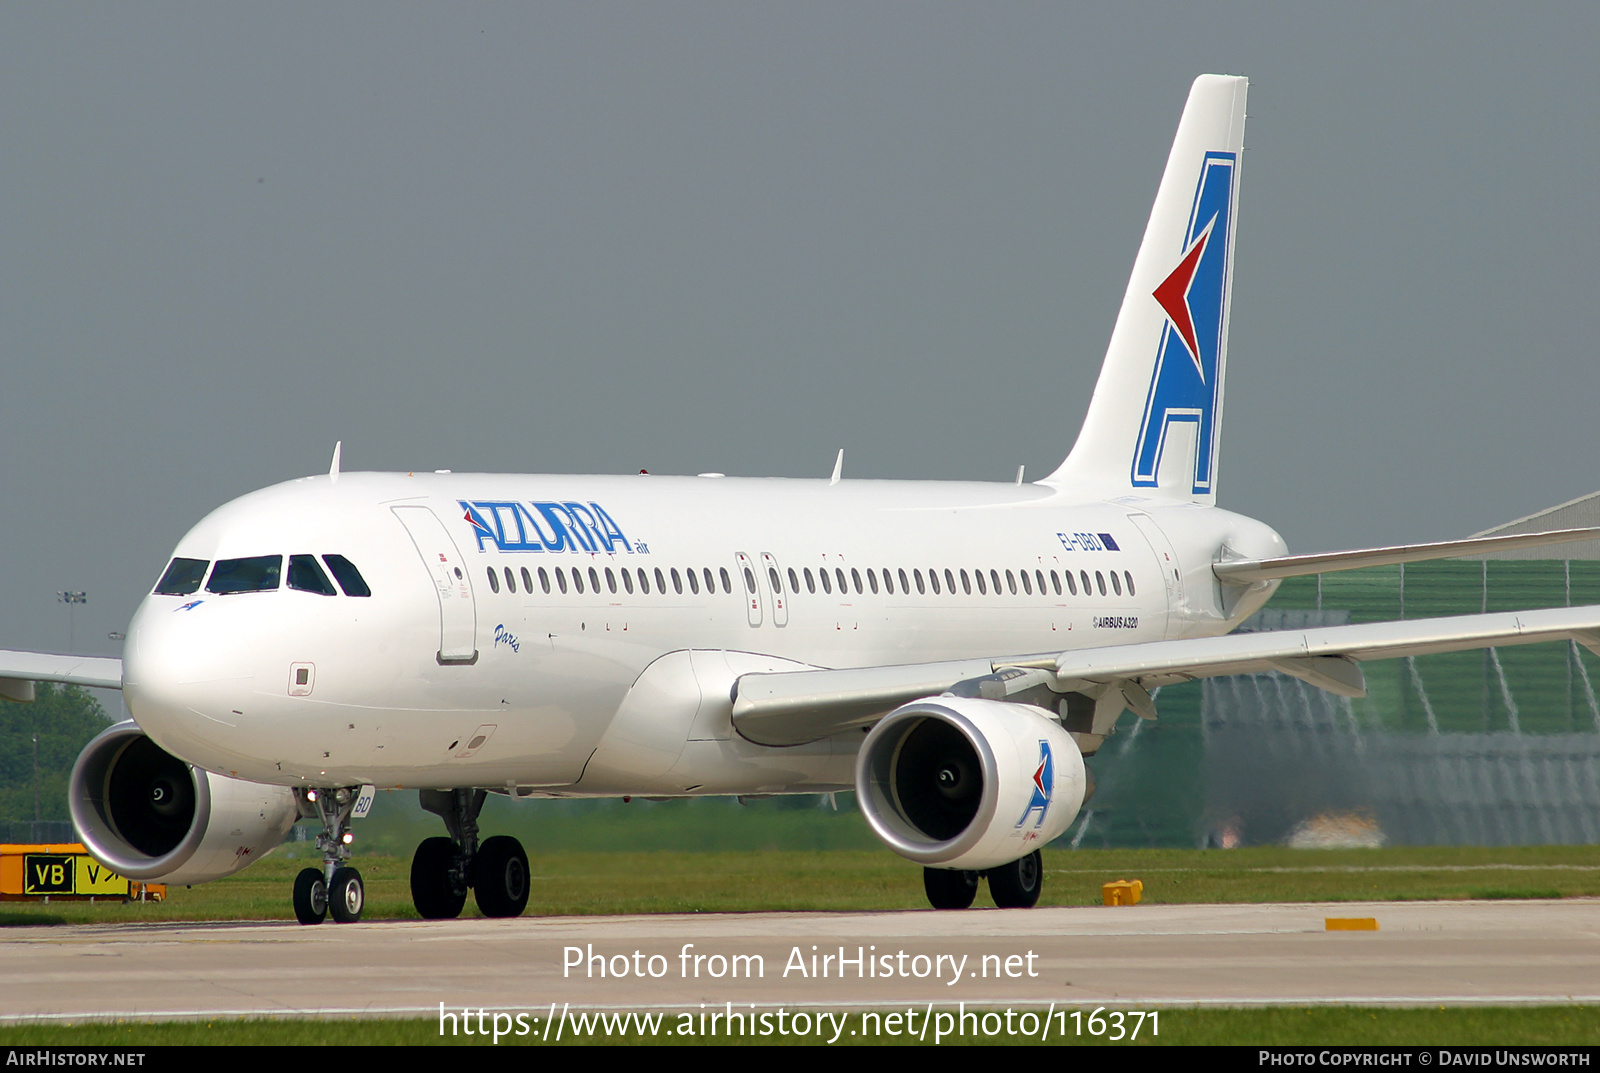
(543, 526)
(1044, 781)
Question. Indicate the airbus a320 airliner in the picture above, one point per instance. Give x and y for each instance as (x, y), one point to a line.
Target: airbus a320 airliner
(950, 651)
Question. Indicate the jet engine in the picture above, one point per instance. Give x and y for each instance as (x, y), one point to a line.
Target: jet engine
(960, 782)
(150, 816)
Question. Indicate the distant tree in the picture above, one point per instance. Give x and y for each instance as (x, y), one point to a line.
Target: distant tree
(65, 718)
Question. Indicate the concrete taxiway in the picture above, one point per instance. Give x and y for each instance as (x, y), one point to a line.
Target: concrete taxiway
(1500, 952)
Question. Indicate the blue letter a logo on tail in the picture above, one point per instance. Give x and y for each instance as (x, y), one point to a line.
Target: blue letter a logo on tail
(1187, 384)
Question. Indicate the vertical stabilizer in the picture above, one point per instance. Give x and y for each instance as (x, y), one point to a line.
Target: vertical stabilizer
(1153, 426)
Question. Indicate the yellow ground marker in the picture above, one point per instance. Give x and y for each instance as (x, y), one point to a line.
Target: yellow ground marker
(1122, 892)
(1350, 923)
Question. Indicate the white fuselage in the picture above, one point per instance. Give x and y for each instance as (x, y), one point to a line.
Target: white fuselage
(441, 679)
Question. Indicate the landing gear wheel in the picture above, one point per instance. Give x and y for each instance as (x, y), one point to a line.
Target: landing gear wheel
(310, 896)
(949, 888)
(500, 877)
(1017, 885)
(433, 890)
(346, 896)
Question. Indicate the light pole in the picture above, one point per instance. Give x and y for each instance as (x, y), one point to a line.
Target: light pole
(72, 599)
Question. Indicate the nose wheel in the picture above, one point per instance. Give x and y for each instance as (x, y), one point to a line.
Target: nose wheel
(335, 887)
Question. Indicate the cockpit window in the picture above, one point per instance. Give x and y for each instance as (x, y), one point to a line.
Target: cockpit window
(346, 574)
(307, 576)
(258, 573)
(183, 576)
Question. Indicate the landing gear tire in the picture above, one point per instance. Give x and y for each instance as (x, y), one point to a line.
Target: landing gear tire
(500, 877)
(1017, 885)
(346, 896)
(310, 896)
(950, 888)
(433, 890)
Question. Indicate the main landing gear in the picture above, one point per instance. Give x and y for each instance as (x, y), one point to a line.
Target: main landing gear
(444, 868)
(335, 887)
(1013, 886)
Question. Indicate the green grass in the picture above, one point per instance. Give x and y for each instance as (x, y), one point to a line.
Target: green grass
(567, 883)
(1270, 1026)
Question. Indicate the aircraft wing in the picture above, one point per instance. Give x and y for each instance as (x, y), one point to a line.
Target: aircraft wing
(793, 707)
(1248, 571)
(20, 670)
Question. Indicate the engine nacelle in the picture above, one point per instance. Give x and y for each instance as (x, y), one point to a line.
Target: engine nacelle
(958, 782)
(150, 816)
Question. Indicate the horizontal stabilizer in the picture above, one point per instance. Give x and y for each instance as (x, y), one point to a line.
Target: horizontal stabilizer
(101, 672)
(1247, 571)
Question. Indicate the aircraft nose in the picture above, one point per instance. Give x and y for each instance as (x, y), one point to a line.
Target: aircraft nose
(186, 674)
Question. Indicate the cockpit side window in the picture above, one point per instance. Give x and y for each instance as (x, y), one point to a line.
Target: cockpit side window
(259, 573)
(183, 576)
(307, 576)
(345, 573)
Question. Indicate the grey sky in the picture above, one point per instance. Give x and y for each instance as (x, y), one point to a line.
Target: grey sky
(588, 237)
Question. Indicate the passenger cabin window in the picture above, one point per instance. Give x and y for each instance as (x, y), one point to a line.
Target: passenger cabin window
(694, 581)
(345, 573)
(1126, 576)
(494, 582)
(258, 573)
(544, 581)
(182, 577)
(727, 582)
(307, 576)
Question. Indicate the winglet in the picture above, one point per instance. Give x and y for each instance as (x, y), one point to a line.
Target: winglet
(838, 467)
(333, 468)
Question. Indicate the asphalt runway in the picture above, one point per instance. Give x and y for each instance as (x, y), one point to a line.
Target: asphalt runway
(1484, 952)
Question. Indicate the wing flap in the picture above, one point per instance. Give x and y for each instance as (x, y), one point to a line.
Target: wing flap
(1242, 653)
(794, 707)
(21, 669)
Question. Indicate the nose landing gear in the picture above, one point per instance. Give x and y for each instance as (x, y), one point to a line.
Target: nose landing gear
(335, 886)
(444, 868)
